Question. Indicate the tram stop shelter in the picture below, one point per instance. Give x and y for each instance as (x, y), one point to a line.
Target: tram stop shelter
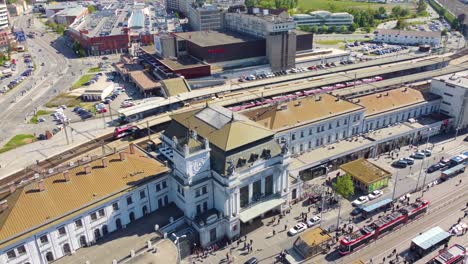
(366, 176)
(429, 240)
(312, 242)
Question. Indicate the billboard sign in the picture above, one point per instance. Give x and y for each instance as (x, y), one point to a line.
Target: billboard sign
(157, 45)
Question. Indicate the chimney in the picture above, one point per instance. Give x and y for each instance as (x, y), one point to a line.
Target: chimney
(3, 205)
(122, 156)
(12, 187)
(132, 148)
(40, 185)
(87, 169)
(66, 176)
(104, 162)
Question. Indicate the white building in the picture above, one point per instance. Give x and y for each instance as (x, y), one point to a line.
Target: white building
(48, 218)
(310, 123)
(453, 89)
(4, 18)
(394, 106)
(320, 18)
(260, 25)
(405, 37)
(225, 4)
(224, 177)
(205, 17)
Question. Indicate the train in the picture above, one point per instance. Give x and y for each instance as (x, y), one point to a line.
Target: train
(292, 96)
(380, 227)
(456, 254)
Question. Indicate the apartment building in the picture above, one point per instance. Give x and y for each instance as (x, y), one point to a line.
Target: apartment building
(324, 18)
(405, 37)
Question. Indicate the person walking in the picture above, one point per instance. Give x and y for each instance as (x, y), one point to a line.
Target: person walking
(285, 227)
(274, 232)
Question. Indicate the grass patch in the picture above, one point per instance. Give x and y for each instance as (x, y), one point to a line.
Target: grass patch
(38, 114)
(84, 79)
(17, 141)
(337, 5)
(94, 70)
(70, 101)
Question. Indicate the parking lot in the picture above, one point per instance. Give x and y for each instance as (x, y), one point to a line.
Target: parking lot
(15, 71)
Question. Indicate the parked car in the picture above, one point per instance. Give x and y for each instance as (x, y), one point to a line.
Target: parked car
(313, 221)
(361, 200)
(375, 194)
(356, 211)
(434, 167)
(418, 155)
(409, 161)
(427, 152)
(298, 228)
(400, 164)
(252, 260)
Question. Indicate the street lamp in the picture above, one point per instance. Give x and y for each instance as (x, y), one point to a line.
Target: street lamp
(422, 162)
(176, 241)
(394, 185)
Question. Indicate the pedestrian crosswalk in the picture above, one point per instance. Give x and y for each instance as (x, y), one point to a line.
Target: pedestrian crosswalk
(457, 150)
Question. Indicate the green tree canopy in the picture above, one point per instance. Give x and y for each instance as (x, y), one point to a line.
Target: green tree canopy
(422, 6)
(344, 186)
(324, 28)
(314, 29)
(382, 10)
(91, 9)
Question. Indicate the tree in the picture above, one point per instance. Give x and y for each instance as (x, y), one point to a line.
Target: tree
(401, 24)
(396, 11)
(444, 32)
(91, 9)
(314, 29)
(382, 10)
(343, 29)
(344, 186)
(60, 29)
(324, 29)
(422, 6)
(353, 27)
(249, 3)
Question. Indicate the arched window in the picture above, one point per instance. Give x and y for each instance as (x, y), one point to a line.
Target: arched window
(66, 249)
(118, 224)
(49, 256)
(83, 241)
(144, 210)
(97, 234)
(105, 231)
(131, 216)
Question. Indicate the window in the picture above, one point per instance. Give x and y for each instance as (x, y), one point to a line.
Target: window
(198, 209)
(164, 185)
(78, 223)
(180, 190)
(344, 134)
(447, 94)
(197, 193)
(328, 138)
(93, 216)
(62, 231)
(129, 200)
(310, 144)
(11, 254)
(378, 124)
(205, 206)
(21, 250)
(301, 147)
(302, 134)
(142, 195)
(293, 150)
(310, 131)
(346, 121)
(317, 142)
(330, 126)
(318, 129)
(101, 213)
(158, 187)
(204, 190)
(338, 123)
(115, 206)
(44, 239)
(446, 103)
(293, 136)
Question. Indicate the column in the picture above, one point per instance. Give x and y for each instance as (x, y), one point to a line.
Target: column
(275, 183)
(236, 203)
(250, 193)
(263, 186)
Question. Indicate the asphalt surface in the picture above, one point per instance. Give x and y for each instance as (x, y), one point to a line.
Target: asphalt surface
(61, 68)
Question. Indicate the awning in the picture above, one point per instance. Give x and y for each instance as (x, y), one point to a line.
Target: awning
(259, 209)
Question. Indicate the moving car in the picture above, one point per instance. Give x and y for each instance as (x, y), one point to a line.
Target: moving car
(313, 221)
(418, 155)
(360, 200)
(409, 161)
(427, 152)
(375, 194)
(434, 167)
(252, 260)
(298, 228)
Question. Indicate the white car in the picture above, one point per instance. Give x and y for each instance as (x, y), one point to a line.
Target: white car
(298, 228)
(313, 221)
(360, 200)
(375, 194)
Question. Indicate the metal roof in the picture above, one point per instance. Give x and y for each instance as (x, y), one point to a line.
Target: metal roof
(430, 238)
(376, 205)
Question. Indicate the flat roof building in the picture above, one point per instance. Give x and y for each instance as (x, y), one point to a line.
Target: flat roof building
(453, 89)
(321, 18)
(366, 175)
(69, 15)
(406, 37)
(312, 242)
(205, 17)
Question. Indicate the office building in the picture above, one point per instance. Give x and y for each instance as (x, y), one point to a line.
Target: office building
(205, 17)
(405, 37)
(453, 89)
(4, 17)
(324, 18)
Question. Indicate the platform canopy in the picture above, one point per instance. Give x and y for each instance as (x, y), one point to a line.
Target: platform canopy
(259, 209)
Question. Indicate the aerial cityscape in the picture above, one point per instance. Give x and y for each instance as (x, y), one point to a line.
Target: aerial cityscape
(233, 131)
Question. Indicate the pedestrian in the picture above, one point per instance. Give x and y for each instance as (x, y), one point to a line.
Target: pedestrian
(245, 238)
(466, 214)
(278, 221)
(238, 242)
(227, 256)
(274, 232)
(251, 241)
(370, 261)
(245, 244)
(383, 260)
(285, 227)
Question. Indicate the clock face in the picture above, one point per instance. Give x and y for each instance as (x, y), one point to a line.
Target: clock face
(197, 165)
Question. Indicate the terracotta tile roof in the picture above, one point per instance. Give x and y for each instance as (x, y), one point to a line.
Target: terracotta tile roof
(30, 211)
(365, 171)
(300, 112)
(398, 98)
(143, 80)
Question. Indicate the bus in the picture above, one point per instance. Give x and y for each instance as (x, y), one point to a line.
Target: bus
(376, 207)
(457, 160)
(453, 255)
(454, 171)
